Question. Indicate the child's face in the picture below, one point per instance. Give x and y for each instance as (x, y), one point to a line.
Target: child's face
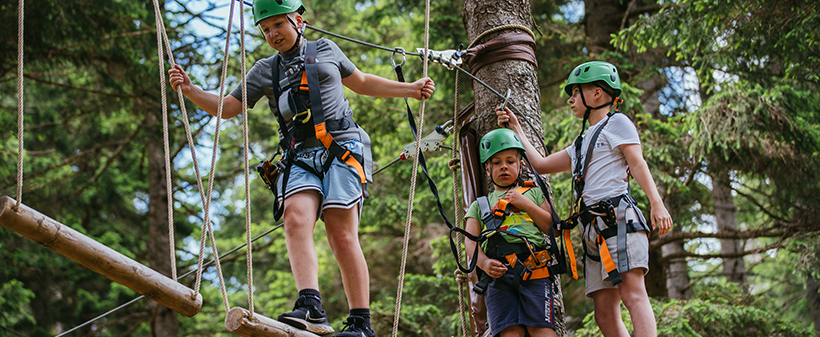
(278, 31)
(575, 101)
(504, 167)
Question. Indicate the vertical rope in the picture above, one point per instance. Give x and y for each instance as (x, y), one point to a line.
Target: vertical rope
(206, 228)
(20, 103)
(247, 160)
(413, 179)
(166, 146)
(457, 201)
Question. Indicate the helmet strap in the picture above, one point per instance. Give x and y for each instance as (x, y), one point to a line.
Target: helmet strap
(299, 34)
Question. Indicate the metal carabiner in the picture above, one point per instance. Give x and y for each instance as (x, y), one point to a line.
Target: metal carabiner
(403, 57)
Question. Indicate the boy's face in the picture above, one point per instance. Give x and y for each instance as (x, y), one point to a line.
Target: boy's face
(278, 31)
(593, 95)
(504, 167)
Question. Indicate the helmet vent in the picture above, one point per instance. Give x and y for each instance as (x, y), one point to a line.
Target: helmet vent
(586, 69)
(577, 71)
(612, 77)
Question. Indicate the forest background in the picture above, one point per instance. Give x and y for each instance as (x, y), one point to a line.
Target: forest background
(724, 95)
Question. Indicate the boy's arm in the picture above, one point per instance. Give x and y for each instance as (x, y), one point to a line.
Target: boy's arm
(492, 267)
(556, 162)
(376, 86)
(661, 220)
(205, 100)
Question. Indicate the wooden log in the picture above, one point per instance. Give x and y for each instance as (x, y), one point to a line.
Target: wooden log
(238, 321)
(99, 258)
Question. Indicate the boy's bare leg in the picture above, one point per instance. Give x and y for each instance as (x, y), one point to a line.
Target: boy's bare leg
(343, 236)
(541, 332)
(633, 293)
(300, 220)
(607, 304)
(512, 331)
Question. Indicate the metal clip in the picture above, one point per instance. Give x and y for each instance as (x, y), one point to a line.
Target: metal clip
(432, 142)
(399, 50)
(448, 58)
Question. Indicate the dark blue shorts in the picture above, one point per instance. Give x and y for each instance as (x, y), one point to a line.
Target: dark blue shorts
(530, 306)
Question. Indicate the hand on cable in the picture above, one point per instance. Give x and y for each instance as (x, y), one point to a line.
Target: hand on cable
(506, 116)
(494, 268)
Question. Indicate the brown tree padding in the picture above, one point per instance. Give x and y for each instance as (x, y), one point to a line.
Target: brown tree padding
(99, 258)
(238, 321)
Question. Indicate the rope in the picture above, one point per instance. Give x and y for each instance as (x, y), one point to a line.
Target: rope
(166, 148)
(456, 200)
(500, 28)
(249, 260)
(178, 278)
(205, 200)
(414, 174)
(206, 208)
(20, 103)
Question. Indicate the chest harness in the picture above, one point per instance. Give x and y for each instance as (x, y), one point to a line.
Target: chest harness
(608, 210)
(527, 260)
(301, 104)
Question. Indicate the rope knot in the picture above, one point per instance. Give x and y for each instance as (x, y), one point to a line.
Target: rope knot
(460, 277)
(455, 164)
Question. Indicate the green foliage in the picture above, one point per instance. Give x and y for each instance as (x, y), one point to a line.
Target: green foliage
(718, 309)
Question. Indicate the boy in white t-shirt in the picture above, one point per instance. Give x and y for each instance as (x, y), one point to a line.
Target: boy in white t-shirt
(614, 271)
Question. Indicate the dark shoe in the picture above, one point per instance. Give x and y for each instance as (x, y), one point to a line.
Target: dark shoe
(355, 327)
(307, 317)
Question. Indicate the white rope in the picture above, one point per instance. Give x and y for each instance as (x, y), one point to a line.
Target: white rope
(457, 200)
(166, 147)
(413, 179)
(20, 103)
(247, 159)
(206, 228)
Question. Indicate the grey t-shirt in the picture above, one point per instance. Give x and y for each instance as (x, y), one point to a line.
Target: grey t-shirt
(607, 176)
(332, 65)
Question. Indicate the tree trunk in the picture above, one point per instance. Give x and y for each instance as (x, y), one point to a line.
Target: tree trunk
(516, 75)
(813, 296)
(164, 321)
(677, 272)
(726, 216)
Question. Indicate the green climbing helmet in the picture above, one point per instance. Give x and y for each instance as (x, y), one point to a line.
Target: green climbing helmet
(594, 71)
(263, 9)
(496, 141)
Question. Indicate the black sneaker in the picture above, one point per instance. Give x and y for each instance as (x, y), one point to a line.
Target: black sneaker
(355, 327)
(307, 317)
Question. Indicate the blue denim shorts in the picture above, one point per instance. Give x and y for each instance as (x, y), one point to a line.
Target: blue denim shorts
(530, 306)
(341, 186)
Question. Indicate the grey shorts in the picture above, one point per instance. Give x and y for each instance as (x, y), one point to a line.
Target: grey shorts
(595, 275)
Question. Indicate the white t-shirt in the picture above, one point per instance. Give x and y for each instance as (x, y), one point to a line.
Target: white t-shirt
(607, 176)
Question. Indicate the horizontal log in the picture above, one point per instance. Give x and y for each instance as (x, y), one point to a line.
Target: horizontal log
(99, 258)
(240, 322)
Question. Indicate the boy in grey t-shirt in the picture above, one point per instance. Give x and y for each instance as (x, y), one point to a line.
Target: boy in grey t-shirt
(600, 174)
(317, 182)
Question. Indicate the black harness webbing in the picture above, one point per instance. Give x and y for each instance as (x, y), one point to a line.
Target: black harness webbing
(608, 210)
(434, 190)
(321, 128)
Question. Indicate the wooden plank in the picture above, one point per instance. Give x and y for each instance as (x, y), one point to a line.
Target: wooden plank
(238, 321)
(99, 258)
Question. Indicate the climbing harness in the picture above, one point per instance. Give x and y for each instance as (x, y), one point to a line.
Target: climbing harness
(608, 210)
(528, 261)
(300, 104)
